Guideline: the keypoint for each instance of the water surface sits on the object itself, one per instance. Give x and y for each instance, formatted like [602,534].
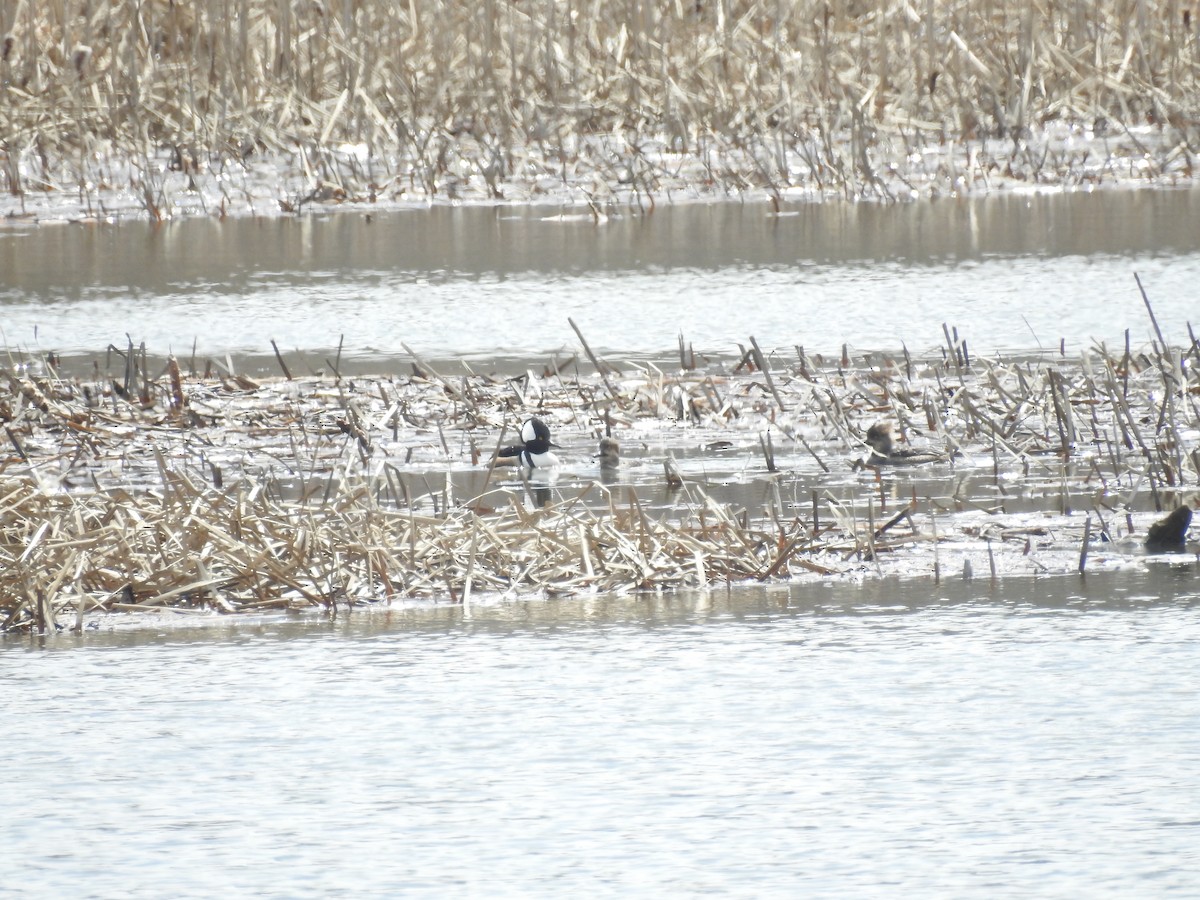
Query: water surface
[889,740]
[1012,272]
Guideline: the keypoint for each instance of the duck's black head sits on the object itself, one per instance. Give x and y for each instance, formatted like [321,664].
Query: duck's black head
[536,436]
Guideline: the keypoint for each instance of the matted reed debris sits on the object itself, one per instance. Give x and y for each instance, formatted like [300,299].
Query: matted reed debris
[136,490]
[210,107]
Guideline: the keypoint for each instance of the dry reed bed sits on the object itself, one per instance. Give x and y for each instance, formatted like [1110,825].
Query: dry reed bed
[142,490]
[594,101]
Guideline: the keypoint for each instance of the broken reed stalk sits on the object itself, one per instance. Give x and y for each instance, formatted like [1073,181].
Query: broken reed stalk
[671,473]
[937,561]
[1162,342]
[601,368]
[467,581]
[898,517]
[1083,546]
[813,453]
[495,457]
[279,358]
[768,451]
[761,361]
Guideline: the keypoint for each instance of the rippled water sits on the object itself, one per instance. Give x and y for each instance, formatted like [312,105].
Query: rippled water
[1011,272]
[879,741]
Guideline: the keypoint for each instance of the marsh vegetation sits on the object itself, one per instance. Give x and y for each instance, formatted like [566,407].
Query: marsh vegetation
[259,105]
[199,488]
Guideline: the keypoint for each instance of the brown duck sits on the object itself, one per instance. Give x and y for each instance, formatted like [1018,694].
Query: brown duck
[1169,535]
[885,453]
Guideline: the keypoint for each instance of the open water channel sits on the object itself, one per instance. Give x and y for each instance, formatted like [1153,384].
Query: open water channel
[1033,737]
[484,284]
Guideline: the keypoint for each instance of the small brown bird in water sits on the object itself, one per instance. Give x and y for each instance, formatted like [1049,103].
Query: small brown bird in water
[610,452]
[1169,535]
[879,438]
[884,452]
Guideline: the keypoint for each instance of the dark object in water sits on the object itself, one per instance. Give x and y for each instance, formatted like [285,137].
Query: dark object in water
[610,453]
[879,438]
[884,453]
[1169,535]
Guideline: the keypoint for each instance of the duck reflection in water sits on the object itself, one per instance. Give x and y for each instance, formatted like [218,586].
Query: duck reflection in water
[538,485]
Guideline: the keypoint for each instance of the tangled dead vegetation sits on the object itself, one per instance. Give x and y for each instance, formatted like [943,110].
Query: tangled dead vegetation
[214,490]
[214,107]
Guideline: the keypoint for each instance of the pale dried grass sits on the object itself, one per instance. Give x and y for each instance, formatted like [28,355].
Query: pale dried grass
[432,94]
[139,492]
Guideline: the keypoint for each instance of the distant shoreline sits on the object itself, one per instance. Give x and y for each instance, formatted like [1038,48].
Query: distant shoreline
[154,188]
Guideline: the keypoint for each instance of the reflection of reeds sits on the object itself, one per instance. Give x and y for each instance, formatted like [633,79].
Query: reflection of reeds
[222,492]
[429,96]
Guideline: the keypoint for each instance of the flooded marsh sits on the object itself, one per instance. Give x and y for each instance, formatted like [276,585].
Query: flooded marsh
[231,493]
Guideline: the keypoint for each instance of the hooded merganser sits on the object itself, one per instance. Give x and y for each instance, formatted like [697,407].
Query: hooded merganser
[884,453]
[535,453]
[1169,535]
[610,453]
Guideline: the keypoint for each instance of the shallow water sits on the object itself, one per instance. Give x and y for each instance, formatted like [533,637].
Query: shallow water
[1012,272]
[891,740]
